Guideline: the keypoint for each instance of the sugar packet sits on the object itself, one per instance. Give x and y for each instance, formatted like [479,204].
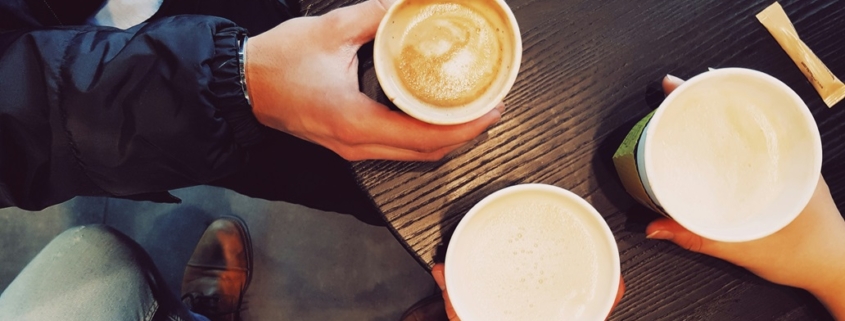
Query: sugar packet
[831,89]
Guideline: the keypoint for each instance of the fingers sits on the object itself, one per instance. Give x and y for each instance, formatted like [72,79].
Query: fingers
[440,279]
[670,83]
[360,21]
[439,276]
[379,125]
[619,294]
[668,229]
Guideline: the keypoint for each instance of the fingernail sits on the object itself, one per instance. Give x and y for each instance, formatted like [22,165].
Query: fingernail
[439,279]
[660,235]
[495,121]
[673,79]
[501,108]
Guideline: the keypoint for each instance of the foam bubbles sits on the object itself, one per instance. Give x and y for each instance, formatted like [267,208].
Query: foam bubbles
[450,55]
[541,266]
[720,153]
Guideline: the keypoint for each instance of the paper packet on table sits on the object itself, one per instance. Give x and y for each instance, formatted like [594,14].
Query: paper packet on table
[828,86]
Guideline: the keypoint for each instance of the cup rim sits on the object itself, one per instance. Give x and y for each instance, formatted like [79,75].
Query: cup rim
[589,210]
[406,106]
[804,193]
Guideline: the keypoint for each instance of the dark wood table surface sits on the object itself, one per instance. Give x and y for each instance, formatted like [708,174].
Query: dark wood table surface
[590,70]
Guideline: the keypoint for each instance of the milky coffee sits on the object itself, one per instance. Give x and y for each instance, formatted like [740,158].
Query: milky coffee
[734,156]
[451,52]
[533,256]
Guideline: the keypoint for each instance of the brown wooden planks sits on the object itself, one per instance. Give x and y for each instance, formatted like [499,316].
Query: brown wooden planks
[590,69]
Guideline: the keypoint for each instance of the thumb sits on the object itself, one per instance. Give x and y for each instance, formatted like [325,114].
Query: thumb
[668,229]
[619,294]
[670,83]
[360,22]
[439,278]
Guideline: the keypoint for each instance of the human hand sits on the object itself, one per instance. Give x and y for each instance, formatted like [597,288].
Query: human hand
[440,279]
[809,253]
[302,79]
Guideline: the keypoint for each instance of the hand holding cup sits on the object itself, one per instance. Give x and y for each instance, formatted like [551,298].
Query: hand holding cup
[808,253]
[302,77]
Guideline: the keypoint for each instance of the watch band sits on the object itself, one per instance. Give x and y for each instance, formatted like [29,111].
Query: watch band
[242,66]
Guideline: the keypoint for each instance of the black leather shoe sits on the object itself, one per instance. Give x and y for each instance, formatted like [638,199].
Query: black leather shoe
[431,308]
[219,271]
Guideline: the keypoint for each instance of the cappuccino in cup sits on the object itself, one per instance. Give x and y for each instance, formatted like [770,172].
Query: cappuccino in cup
[732,155]
[532,252]
[447,62]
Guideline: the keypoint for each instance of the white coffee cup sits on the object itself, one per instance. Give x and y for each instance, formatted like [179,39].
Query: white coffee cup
[460,73]
[532,252]
[732,155]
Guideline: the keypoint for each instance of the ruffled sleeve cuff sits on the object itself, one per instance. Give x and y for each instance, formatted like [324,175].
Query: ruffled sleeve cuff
[232,102]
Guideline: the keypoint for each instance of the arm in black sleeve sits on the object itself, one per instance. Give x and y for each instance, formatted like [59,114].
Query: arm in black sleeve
[101,111]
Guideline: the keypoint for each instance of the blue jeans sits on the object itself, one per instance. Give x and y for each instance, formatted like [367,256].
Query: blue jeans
[92,273]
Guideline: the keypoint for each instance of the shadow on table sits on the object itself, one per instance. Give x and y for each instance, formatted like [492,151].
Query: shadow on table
[604,170]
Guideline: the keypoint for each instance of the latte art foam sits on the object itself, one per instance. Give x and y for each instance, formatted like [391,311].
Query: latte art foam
[450,55]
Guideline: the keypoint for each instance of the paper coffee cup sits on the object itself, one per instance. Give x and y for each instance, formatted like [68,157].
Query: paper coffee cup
[447,62]
[732,155]
[532,252]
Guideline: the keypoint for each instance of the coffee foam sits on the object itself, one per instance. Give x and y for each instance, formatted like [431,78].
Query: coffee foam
[455,100]
[451,54]
[720,149]
[533,257]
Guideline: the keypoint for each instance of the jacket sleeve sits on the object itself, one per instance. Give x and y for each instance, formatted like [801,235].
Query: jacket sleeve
[100,111]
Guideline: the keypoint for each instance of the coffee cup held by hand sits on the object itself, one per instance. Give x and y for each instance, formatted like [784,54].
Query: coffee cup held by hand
[733,155]
[532,252]
[447,62]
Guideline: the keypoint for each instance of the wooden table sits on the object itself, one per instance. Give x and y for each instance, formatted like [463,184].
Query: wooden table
[590,69]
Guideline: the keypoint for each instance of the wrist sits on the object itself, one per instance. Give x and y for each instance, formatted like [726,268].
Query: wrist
[226,90]
[253,77]
[827,281]
[823,249]
[834,302]
[831,293]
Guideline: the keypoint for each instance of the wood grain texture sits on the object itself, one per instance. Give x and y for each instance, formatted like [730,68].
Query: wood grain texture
[590,69]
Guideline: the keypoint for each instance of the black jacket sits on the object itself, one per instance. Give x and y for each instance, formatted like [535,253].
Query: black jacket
[88,110]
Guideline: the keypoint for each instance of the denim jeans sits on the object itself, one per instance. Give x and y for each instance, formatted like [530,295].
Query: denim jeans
[92,273]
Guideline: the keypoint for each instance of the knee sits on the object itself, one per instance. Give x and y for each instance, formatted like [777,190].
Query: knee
[88,233]
[93,239]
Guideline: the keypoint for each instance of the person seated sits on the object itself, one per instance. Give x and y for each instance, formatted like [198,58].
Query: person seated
[219,92]
[97,273]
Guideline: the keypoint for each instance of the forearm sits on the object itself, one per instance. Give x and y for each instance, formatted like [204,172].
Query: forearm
[833,299]
[828,283]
